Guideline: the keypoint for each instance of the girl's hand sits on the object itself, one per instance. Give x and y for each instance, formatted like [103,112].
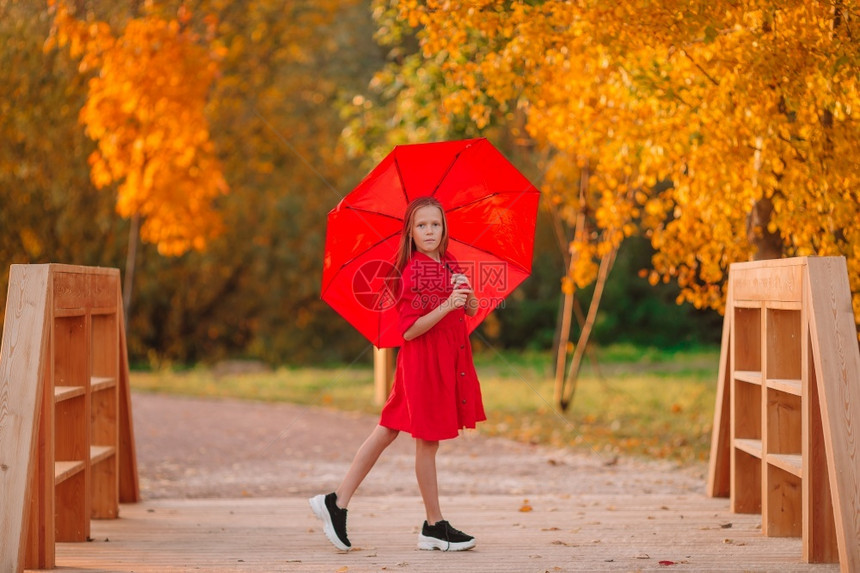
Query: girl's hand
[457,299]
[460,281]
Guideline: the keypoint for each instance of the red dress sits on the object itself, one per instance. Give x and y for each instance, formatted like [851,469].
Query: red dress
[436,390]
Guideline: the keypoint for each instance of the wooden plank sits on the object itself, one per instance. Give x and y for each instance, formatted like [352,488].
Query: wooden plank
[819,524]
[784,342]
[761,280]
[784,304]
[104,483]
[65,470]
[102,289]
[129,486]
[748,376]
[783,516]
[766,484]
[98,383]
[571,532]
[746,339]
[69,289]
[746,480]
[752,447]
[21,386]
[63,393]
[747,404]
[794,387]
[100,453]
[719,461]
[783,424]
[837,368]
[791,463]
[40,529]
[71,503]
[746,303]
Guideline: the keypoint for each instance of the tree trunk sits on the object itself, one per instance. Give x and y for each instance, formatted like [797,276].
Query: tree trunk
[130,261]
[606,264]
[561,358]
[767,245]
[571,305]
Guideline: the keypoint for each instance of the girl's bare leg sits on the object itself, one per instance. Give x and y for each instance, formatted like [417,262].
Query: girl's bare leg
[425,471]
[365,458]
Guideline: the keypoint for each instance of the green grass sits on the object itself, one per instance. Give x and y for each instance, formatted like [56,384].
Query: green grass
[636,401]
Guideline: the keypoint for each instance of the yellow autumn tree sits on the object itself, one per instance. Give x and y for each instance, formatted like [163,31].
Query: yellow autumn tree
[747,112]
[146,111]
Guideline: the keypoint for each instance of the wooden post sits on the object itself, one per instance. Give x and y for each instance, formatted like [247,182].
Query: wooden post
[719,476]
[383,373]
[791,366]
[837,373]
[21,387]
[61,376]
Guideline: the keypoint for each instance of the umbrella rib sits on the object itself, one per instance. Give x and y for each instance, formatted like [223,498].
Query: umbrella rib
[371,247]
[402,182]
[471,246]
[369,212]
[489,195]
[447,171]
[520,195]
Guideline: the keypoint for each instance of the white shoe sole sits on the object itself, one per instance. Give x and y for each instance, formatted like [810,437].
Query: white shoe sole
[431,543]
[321,511]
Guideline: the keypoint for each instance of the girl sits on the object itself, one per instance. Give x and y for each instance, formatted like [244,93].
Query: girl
[436,390]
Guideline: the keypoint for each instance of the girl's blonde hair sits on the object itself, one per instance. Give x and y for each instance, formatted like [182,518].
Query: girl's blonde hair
[407,244]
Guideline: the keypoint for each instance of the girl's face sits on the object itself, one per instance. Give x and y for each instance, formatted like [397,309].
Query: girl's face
[427,229]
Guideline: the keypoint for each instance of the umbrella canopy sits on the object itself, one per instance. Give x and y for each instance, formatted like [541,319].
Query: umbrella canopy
[491,210]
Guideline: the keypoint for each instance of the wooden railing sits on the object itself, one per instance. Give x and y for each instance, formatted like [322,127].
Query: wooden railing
[788,405]
[66,438]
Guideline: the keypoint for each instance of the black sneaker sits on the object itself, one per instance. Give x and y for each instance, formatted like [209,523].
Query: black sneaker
[443,536]
[333,518]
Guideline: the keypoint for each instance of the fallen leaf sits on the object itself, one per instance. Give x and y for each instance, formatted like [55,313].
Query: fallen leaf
[666,563]
[343,569]
[643,556]
[525,506]
[726,525]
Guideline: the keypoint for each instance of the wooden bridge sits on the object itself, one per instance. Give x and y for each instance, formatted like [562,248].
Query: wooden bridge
[532,509]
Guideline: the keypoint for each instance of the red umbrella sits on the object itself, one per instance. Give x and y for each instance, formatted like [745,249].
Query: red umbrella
[490,208]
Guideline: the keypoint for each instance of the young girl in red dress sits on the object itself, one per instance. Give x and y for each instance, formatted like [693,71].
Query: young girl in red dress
[436,391]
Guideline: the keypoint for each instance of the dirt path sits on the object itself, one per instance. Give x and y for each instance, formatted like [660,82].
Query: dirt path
[197,448]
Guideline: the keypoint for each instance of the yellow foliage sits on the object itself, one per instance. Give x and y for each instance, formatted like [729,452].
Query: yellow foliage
[732,103]
[146,110]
